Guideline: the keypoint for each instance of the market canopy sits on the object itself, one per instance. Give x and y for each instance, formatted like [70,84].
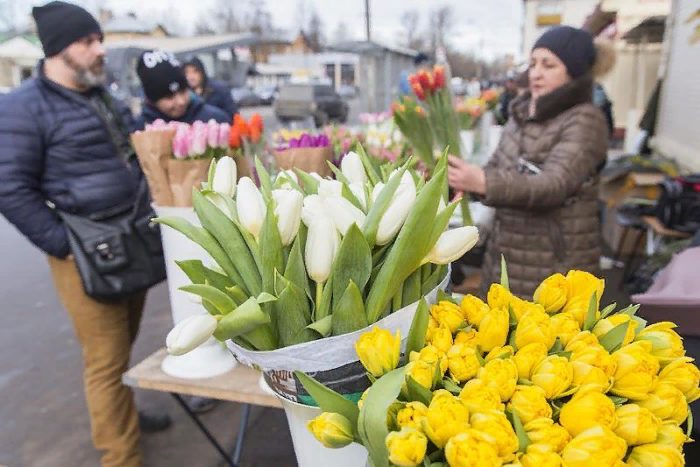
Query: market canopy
[195,44]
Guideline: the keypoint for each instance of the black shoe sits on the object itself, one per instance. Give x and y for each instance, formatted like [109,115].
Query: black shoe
[152,423]
[200,405]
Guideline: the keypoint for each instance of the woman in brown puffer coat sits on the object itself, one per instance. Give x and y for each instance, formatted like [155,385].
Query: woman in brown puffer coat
[543,177]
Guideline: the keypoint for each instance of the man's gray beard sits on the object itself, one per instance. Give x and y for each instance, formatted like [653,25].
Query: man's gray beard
[85,77]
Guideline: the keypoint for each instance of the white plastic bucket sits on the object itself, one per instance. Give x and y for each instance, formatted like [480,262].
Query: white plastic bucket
[212,358]
[468,138]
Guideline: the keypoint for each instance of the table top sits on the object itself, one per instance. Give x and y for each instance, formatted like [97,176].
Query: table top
[238,385]
[655,224]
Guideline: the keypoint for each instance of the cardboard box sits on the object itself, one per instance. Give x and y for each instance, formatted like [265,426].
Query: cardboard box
[644,185]
[613,231]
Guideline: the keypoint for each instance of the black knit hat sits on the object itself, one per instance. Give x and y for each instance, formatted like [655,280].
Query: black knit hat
[160,74]
[573,46]
[59,24]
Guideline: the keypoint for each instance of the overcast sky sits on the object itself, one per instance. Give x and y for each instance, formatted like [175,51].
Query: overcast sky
[494,23]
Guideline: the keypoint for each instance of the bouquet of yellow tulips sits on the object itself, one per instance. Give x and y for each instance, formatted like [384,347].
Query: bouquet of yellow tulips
[557,381]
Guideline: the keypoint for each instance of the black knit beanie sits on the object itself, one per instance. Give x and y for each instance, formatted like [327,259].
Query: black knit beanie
[160,74]
[573,46]
[59,24]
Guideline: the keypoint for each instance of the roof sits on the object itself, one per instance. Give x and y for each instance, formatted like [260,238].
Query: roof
[196,44]
[20,47]
[369,47]
[129,23]
[650,30]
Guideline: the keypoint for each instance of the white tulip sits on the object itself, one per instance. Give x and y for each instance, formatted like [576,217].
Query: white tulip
[330,188]
[353,169]
[288,205]
[452,245]
[322,245]
[316,176]
[312,208]
[251,206]
[343,213]
[358,190]
[190,333]
[225,176]
[285,177]
[220,202]
[376,191]
[396,213]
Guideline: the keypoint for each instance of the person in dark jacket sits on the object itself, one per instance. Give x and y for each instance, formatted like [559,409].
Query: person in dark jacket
[167,96]
[212,91]
[64,145]
[543,178]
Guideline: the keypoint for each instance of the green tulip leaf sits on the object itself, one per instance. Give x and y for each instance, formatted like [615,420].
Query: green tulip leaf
[504,273]
[451,386]
[352,263]
[264,177]
[293,315]
[379,207]
[210,173]
[322,326]
[523,439]
[417,392]
[219,299]
[295,270]
[630,310]
[272,254]
[350,196]
[339,175]
[442,220]
[590,319]
[265,298]
[411,290]
[367,163]
[612,340]
[349,314]
[237,294]
[434,279]
[309,183]
[242,320]
[689,424]
[329,400]
[608,310]
[419,326]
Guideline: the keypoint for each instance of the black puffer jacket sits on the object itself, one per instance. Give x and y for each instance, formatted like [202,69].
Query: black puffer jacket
[196,111]
[215,93]
[55,147]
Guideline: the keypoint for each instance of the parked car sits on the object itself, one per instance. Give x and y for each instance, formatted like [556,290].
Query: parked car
[318,101]
[348,91]
[245,97]
[267,94]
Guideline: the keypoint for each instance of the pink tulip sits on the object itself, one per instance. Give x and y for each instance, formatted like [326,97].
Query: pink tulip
[212,133]
[198,134]
[157,125]
[224,133]
[181,147]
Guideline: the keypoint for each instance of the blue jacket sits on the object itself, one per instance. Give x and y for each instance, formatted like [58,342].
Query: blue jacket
[55,147]
[217,94]
[197,110]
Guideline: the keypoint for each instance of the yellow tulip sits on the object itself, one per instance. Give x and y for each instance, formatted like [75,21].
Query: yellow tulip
[472,448]
[432,327]
[501,375]
[446,417]
[552,293]
[667,403]
[412,415]
[463,362]
[554,374]
[534,326]
[474,309]
[586,375]
[448,314]
[603,326]
[636,425]
[540,455]
[470,337]
[595,355]
[432,355]
[331,429]
[597,446]
[655,455]
[684,375]
[521,307]
[406,447]
[587,409]
[582,285]
[422,372]
[528,357]
[499,297]
[530,403]
[478,396]
[565,326]
[666,344]
[582,339]
[493,330]
[441,338]
[671,434]
[379,351]
[545,431]
[636,371]
[496,424]
[500,352]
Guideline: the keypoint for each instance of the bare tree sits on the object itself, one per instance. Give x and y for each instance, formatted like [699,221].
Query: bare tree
[441,23]
[259,19]
[302,14]
[411,35]
[314,31]
[341,33]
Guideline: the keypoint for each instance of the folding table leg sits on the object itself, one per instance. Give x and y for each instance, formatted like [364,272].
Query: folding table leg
[206,432]
[240,439]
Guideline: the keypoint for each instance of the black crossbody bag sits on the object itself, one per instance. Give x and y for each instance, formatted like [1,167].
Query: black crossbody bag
[118,252]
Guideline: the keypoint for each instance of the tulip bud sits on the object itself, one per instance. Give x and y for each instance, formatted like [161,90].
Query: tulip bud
[359,192]
[199,138]
[603,326]
[452,245]
[528,357]
[312,208]
[407,447]
[285,177]
[595,446]
[474,309]
[545,431]
[667,403]
[671,434]
[343,213]
[636,371]
[224,135]
[501,375]
[432,355]
[212,133]
[587,409]
[412,415]
[534,326]
[565,326]
[448,314]
[554,374]
[396,213]
[251,206]
[288,205]
[322,245]
[225,176]
[684,375]
[636,425]
[655,455]
[190,333]
[353,169]
[463,362]
[379,351]
[470,446]
[440,337]
[666,344]
[540,455]
[331,429]
[495,424]
[422,372]
[446,417]
[477,395]
[552,293]
[181,142]
[530,404]
[330,188]
[493,330]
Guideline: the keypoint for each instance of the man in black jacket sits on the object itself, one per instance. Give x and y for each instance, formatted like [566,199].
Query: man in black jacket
[212,91]
[167,95]
[64,144]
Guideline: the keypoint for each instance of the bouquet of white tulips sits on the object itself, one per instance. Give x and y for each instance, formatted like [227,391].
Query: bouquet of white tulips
[302,258]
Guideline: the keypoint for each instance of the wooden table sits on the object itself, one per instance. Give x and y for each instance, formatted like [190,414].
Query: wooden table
[656,230]
[240,385]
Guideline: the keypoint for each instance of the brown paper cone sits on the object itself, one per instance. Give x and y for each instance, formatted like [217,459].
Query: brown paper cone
[306,159]
[185,175]
[154,150]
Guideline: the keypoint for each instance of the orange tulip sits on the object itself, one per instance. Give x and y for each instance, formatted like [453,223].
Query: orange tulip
[438,77]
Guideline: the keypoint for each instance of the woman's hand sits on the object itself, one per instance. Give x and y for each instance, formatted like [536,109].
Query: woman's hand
[465,177]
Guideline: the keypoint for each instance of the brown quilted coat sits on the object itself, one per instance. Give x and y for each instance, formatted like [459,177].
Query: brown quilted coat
[546,222]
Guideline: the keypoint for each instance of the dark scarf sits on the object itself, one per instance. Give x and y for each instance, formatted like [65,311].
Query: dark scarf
[575,92]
